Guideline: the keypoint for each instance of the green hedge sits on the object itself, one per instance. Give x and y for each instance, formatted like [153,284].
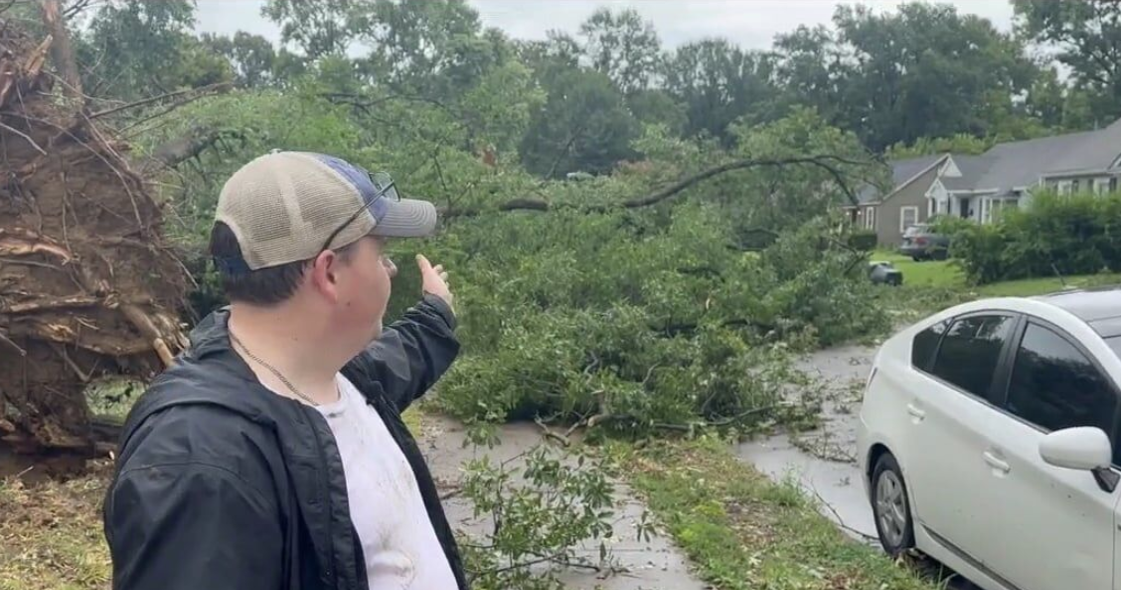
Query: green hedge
[1067,235]
[865,240]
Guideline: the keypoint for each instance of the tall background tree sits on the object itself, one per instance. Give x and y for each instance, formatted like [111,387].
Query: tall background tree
[1085,36]
[718,82]
[926,71]
[624,47]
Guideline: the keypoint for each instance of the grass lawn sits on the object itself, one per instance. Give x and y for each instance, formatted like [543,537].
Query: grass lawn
[937,284]
[51,533]
[743,531]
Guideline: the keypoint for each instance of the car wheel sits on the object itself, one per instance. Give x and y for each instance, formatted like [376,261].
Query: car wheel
[890,502]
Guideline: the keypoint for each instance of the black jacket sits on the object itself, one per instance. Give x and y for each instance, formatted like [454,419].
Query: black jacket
[222,484]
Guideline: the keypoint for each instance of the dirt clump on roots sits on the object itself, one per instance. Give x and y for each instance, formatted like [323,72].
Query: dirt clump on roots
[88,288]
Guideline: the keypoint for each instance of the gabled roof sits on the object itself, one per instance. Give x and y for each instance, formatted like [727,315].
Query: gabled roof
[972,169]
[1016,164]
[1011,165]
[901,171]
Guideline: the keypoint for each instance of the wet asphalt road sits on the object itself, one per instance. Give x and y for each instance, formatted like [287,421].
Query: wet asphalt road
[823,461]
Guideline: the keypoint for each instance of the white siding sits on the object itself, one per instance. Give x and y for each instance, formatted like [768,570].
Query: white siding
[937,196]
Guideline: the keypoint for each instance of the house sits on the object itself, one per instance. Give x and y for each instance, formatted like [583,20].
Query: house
[978,187]
[906,203]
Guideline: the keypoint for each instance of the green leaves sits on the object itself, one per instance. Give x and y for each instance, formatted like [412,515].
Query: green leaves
[1071,235]
[133,49]
[540,511]
[584,126]
[624,46]
[657,325]
[1087,33]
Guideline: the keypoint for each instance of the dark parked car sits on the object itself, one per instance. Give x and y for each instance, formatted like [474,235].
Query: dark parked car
[920,243]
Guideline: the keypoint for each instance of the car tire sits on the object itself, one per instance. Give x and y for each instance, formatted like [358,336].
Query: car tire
[889,501]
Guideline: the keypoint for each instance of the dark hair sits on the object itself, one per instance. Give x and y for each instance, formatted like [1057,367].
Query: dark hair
[265,286]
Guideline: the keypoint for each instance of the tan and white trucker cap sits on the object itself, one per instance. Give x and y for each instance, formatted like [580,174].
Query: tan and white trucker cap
[284,206]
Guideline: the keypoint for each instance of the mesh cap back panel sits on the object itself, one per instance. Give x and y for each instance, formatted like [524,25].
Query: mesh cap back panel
[283,206]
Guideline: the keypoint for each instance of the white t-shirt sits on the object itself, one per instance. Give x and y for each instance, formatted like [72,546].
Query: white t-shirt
[400,547]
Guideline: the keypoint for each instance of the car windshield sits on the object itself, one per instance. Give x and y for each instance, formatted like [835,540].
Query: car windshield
[915,229]
[1114,344]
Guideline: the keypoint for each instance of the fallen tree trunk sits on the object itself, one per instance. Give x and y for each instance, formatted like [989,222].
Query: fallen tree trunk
[87,286]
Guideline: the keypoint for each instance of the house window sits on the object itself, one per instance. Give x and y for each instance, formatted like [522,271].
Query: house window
[994,206]
[1064,187]
[868,219]
[1101,186]
[908,218]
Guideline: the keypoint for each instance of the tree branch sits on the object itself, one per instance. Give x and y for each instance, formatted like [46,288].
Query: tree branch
[5,340]
[182,149]
[822,161]
[73,10]
[202,90]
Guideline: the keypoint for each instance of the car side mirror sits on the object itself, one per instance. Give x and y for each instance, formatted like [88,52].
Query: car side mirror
[1084,448]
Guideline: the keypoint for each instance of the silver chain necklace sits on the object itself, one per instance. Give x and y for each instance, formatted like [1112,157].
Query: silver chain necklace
[271,369]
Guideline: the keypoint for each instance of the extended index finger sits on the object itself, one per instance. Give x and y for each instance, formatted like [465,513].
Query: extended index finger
[423,264]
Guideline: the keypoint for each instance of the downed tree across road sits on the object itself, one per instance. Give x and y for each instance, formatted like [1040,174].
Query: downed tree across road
[87,286]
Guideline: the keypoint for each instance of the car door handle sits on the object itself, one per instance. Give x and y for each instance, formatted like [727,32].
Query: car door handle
[915,411]
[996,462]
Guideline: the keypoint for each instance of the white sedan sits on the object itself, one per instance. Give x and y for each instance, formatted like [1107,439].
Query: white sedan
[990,440]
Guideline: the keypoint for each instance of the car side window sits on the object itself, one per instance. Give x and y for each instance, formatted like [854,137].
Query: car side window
[969,352]
[925,344]
[1055,386]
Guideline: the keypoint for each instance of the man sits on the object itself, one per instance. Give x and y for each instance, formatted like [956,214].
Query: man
[272,455]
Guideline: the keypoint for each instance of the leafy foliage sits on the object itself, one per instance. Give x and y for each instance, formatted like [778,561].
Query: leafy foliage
[539,514]
[961,143]
[1055,235]
[624,47]
[719,83]
[585,126]
[638,324]
[1087,35]
[924,71]
[137,47]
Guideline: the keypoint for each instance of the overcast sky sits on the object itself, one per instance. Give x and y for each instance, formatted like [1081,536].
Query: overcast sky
[751,24]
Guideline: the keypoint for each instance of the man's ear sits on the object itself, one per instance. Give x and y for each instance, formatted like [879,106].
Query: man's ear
[322,274]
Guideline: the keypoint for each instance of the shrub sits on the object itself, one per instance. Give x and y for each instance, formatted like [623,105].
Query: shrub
[1078,234]
[865,240]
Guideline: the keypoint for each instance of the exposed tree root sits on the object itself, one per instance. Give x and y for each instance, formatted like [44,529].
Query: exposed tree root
[87,285]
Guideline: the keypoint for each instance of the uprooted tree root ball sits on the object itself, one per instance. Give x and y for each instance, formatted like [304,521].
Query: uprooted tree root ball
[87,287]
